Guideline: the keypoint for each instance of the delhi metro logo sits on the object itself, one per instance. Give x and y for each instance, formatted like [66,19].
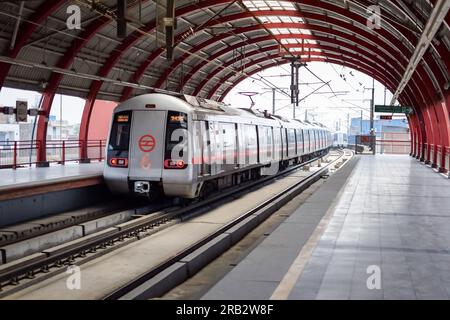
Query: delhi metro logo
[147,143]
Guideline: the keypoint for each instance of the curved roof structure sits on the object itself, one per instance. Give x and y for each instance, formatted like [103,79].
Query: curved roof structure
[218,43]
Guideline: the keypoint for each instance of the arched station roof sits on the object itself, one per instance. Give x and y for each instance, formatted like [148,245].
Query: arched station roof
[218,43]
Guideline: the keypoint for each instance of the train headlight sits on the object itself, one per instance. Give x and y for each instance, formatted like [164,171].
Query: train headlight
[174,164]
[119,162]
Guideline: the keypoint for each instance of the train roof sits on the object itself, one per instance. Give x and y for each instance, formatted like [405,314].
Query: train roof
[191,104]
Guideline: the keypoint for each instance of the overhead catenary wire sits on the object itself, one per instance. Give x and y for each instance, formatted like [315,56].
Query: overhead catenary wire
[315,75]
[340,75]
[214,18]
[308,95]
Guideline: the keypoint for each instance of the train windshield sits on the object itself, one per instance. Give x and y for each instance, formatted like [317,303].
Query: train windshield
[120,132]
[176,140]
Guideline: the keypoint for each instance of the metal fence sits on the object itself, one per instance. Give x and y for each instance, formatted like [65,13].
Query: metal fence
[22,153]
[394,143]
[386,143]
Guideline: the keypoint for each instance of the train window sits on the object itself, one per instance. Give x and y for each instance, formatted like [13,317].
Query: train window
[120,132]
[176,136]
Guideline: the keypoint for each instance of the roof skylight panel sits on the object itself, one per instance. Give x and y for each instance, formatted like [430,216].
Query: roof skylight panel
[274,19]
[269,5]
[275,30]
[295,30]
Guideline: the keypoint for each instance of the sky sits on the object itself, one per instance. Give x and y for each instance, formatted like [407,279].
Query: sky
[348,84]
[72,107]
[326,108]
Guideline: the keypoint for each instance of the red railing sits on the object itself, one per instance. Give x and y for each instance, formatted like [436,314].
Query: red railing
[22,153]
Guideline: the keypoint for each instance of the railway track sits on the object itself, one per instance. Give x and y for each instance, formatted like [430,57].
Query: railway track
[38,267]
[37,227]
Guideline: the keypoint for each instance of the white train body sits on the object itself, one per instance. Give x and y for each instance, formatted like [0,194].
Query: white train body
[182,147]
[340,139]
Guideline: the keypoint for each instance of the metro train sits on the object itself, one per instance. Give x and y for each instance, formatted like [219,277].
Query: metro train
[340,139]
[190,147]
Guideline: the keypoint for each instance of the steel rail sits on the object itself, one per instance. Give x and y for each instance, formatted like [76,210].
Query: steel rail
[67,255]
[271,205]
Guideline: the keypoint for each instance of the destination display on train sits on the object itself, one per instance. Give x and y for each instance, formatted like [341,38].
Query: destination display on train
[177,118]
[123,118]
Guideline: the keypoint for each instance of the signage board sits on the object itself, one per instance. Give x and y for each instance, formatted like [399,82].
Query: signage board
[393,109]
[21,111]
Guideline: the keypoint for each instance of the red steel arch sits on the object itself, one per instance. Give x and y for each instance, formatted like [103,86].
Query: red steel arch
[30,26]
[387,49]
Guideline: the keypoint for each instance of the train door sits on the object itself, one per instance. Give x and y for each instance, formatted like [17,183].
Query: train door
[291,142]
[240,145]
[284,144]
[278,149]
[322,140]
[269,152]
[251,144]
[216,149]
[229,145]
[313,140]
[308,141]
[300,144]
[147,145]
[263,144]
[319,140]
[206,148]
[197,152]
[319,133]
[312,137]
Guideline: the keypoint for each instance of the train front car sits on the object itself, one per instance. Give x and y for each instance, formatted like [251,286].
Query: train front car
[161,144]
[148,144]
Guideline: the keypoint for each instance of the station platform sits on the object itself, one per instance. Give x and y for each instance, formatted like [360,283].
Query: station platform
[22,180]
[377,229]
[30,193]
[71,171]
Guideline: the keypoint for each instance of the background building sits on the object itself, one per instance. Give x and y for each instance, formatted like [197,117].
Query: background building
[393,136]
[363,128]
